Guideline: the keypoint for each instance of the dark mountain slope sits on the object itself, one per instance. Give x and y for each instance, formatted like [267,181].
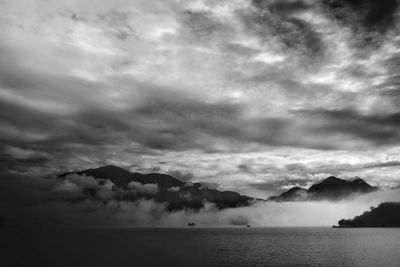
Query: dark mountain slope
[332,188]
[295,193]
[175,193]
[336,188]
[387,214]
[121,177]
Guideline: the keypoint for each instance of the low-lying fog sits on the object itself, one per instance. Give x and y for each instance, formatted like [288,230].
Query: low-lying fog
[54,202]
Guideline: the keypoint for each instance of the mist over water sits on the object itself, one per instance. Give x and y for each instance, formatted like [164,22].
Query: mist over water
[324,213]
[51,201]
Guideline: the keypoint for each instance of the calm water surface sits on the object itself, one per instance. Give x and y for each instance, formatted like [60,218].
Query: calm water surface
[203,247]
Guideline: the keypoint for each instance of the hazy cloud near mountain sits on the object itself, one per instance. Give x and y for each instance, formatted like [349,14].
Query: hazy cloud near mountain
[203,87]
[39,201]
[150,189]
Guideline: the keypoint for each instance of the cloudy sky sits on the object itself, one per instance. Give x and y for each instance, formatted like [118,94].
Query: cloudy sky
[255,96]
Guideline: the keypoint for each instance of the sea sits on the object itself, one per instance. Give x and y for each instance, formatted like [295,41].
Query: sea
[197,246]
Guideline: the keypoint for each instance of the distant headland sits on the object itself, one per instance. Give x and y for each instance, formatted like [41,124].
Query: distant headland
[387,214]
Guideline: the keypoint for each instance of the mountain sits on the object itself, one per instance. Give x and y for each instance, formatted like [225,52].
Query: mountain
[122,178]
[177,194]
[332,188]
[387,214]
[295,193]
[336,188]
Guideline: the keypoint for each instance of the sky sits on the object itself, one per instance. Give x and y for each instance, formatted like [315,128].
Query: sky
[252,96]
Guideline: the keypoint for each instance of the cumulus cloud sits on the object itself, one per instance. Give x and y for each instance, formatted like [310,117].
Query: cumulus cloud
[25,154]
[67,186]
[86,185]
[148,189]
[174,189]
[82,181]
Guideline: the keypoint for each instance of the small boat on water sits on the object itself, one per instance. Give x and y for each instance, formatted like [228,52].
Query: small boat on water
[191,224]
[248,225]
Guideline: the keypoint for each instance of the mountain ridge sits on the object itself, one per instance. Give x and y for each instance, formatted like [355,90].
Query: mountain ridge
[331,188]
[121,177]
[177,194]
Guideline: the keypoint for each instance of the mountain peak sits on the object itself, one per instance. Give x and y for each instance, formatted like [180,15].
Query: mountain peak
[332,179]
[294,193]
[332,188]
[110,167]
[358,180]
[296,188]
[117,175]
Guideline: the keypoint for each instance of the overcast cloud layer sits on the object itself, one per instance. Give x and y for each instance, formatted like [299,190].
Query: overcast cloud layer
[255,95]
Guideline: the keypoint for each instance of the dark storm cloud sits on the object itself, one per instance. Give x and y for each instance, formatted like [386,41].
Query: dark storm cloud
[52,132]
[253,168]
[275,18]
[299,33]
[369,19]
[178,121]
[161,121]
[389,88]
[204,25]
[378,129]
[240,50]
[16,158]
[287,7]
[394,163]
[372,14]
[171,122]
[295,167]
[338,169]
[118,22]
[284,6]
[164,120]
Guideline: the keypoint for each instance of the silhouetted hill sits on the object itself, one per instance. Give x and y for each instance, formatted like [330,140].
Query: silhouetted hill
[336,188]
[387,214]
[295,193]
[176,193]
[122,178]
[332,188]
